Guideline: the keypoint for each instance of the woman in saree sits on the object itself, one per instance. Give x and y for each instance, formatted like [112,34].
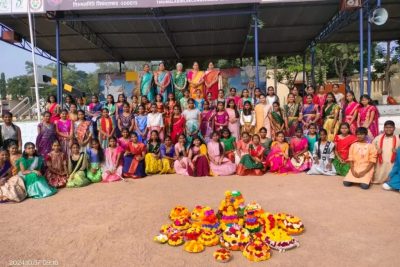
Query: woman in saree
[350,111]
[211,80]
[77,165]
[146,83]
[262,111]
[312,137]
[207,120]
[94,112]
[330,115]
[301,158]
[195,79]
[219,164]
[111,168]
[82,131]
[247,119]
[46,135]
[198,160]
[56,163]
[277,119]
[368,116]
[12,188]
[146,104]
[106,128]
[221,118]
[134,106]
[68,102]
[14,157]
[323,155]
[180,81]
[162,79]
[221,98]
[9,132]
[343,140]
[242,147]
[169,110]
[167,155]
[213,103]
[30,167]
[155,121]
[278,157]
[254,162]
[309,113]
[321,99]
[229,142]
[234,119]
[256,95]
[65,132]
[193,121]
[293,114]
[95,157]
[123,141]
[134,166]
[152,159]
[53,108]
[119,106]
[182,162]
[141,125]
[178,124]
[297,98]
[265,141]
[73,112]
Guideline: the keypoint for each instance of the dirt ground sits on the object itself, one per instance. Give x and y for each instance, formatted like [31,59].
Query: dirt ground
[114,224]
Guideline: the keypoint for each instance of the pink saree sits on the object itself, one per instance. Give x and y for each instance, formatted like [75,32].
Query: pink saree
[349,112]
[365,114]
[297,145]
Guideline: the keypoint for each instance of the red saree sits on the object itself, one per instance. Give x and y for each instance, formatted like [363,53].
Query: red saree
[211,80]
[178,127]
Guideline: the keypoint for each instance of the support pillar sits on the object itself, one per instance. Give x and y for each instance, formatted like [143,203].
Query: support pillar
[256,50]
[369,58]
[59,67]
[361,38]
[313,65]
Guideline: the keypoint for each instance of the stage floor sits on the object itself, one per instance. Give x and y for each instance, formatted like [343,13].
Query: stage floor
[114,224]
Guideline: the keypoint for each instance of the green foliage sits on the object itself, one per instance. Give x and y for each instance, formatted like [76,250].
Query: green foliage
[3,85]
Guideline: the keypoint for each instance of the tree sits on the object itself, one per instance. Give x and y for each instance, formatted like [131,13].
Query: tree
[19,86]
[3,85]
[388,54]
[290,69]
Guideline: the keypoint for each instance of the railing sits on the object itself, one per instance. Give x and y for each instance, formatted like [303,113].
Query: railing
[21,108]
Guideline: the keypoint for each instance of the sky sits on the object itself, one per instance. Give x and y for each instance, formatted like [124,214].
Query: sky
[12,61]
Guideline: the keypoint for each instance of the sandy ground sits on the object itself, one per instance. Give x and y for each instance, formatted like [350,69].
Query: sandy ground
[114,224]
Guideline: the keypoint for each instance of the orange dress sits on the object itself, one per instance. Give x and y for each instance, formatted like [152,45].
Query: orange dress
[361,154]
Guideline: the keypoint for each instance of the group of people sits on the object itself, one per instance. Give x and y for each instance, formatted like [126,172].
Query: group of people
[223,134]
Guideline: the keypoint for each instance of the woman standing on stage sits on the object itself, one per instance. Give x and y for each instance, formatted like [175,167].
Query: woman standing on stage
[195,79]
[162,79]
[180,81]
[146,83]
[368,116]
[350,111]
[211,80]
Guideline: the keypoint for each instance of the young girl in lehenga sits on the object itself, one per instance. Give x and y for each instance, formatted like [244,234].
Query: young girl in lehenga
[111,168]
[206,124]
[229,142]
[30,167]
[234,117]
[134,166]
[198,161]
[178,124]
[323,155]
[152,159]
[65,132]
[368,116]
[343,140]
[242,147]
[182,162]
[77,165]
[167,155]
[123,140]
[221,117]
[253,163]
[278,157]
[141,125]
[331,116]
[219,164]
[301,158]
[106,128]
[350,111]
[96,158]
[57,170]
[83,131]
[14,156]
[46,135]
[126,119]
[11,188]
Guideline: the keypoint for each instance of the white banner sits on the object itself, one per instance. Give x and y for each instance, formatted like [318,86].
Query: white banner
[21,6]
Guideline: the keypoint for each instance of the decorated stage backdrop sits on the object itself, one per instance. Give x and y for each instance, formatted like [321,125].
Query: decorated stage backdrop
[127,82]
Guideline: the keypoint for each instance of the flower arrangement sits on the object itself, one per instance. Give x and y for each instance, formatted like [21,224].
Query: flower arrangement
[236,227]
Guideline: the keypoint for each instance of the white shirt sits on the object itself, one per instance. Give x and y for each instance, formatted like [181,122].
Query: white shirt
[155,120]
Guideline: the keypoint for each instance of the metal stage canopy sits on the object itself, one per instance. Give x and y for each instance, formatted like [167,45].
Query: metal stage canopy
[196,32]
